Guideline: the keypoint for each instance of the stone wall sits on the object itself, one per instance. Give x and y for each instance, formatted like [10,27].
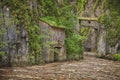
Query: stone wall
[53,42]
[99,32]
[15,38]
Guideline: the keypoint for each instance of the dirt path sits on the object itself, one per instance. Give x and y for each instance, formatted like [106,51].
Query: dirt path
[90,68]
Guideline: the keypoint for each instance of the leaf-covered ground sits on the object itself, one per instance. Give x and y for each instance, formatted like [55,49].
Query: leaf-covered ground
[90,68]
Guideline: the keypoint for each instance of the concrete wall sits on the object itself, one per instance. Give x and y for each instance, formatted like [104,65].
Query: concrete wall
[16,40]
[91,12]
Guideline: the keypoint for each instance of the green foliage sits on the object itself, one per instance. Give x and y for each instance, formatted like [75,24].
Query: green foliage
[111,21]
[79,6]
[62,14]
[74,46]
[32,59]
[105,19]
[85,31]
[21,14]
[96,4]
[2,53]
[52,21]
[59,14]
[2,30]
[35,43]
[2,42]
[117,57]
[113,35]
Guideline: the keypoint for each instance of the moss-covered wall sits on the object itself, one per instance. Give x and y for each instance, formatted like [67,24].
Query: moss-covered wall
[54,39]
[15,38]
[106,14]
[90,17]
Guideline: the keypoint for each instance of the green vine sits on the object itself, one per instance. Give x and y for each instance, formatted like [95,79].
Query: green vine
[96,4]
[111,21]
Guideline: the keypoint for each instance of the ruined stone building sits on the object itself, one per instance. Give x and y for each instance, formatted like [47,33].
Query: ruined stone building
[54,42]
[89,18]
[17,46]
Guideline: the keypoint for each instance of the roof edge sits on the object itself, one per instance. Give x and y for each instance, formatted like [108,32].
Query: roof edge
[56,26]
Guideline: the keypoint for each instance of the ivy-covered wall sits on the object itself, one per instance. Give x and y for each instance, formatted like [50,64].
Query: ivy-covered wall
[24,17]
[15,39]
[21,17]
[106,14]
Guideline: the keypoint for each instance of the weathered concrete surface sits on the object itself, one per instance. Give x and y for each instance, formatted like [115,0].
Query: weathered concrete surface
[102,43]
[54,39]
[90,68]
[15,38]
[98,39]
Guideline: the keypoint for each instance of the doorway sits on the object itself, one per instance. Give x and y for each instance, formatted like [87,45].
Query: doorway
[56,53]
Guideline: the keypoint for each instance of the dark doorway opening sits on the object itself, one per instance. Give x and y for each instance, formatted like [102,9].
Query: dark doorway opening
[56,53]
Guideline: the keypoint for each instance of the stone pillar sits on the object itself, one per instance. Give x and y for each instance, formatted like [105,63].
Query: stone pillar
[9,36]
[101,46]
[16,47]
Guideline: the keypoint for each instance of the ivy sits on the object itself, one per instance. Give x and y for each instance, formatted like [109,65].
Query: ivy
[96,4]
[35,43]
[111,21]
[2,42]
[74,46]
[65,15]
[105,19]
[21,14]
[62,14]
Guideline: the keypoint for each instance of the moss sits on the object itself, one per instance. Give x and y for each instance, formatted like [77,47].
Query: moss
[2,53]
[117,57]
[52,22]
[74,46]
[96,4]
[88,19]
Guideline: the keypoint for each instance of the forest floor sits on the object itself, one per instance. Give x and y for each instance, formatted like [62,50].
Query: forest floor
[91,68]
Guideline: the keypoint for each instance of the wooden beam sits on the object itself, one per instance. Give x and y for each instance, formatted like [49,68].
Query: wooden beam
[87,19]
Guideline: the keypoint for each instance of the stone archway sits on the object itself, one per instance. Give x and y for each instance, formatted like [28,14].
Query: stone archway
[98,37]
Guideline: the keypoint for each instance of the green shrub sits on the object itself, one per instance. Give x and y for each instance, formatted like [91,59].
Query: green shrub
[2,53]
[32,59]
[117,57]
[74,47]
